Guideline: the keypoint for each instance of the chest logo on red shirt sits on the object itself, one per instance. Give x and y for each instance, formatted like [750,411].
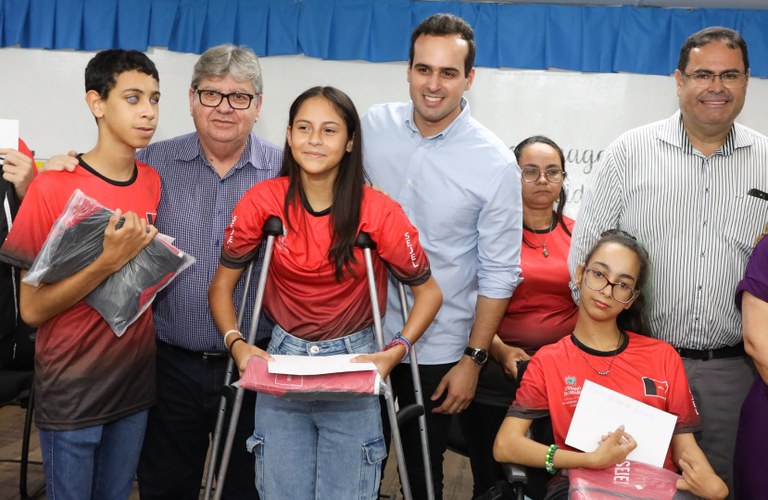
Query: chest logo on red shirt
[656,388]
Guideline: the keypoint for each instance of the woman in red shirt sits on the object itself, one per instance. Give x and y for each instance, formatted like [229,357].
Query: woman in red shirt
[540,312]
[605,349]
[317,294]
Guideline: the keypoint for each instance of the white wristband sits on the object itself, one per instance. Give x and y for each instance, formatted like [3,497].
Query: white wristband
[229,332]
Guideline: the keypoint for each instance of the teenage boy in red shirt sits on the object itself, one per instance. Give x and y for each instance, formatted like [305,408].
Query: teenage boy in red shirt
[93,389]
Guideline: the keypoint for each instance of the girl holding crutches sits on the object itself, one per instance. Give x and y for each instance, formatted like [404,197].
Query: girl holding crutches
[317,294]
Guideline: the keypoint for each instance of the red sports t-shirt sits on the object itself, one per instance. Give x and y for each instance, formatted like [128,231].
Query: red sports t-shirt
[302,294]
[541,311]
[646,369]
[84,374]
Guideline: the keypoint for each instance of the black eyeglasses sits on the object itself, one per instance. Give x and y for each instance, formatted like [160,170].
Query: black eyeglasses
[533,174]
[236,100]
[597,281]
[730,79]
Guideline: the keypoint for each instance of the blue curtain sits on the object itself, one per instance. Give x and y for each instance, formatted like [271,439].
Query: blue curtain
[595,39]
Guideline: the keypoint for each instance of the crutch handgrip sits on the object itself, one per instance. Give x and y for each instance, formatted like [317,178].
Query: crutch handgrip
[407,413]
[228,391]
[364,241]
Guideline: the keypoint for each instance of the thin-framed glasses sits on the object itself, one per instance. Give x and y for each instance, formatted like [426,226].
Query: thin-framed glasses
[553,175]
[236,100]
[729,79]
[597,281]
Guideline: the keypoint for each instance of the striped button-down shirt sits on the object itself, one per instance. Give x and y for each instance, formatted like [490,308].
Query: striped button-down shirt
[195,208]
[693,215]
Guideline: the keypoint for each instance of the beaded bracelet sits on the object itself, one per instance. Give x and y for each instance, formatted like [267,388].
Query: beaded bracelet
[399,339]
[550,455]
[230,332]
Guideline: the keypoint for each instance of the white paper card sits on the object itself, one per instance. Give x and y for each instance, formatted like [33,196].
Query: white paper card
[9,134]
[601,410]
[316,365]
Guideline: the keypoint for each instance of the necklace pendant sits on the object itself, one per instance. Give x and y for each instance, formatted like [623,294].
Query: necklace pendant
[603,373]
[544,251]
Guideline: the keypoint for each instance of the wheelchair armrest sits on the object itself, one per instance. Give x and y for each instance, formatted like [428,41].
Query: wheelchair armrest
[516,474]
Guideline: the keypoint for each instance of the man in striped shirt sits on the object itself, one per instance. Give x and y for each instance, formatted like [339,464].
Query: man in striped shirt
[685,188]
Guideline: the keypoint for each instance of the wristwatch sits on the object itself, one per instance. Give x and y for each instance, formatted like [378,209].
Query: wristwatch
[479,356]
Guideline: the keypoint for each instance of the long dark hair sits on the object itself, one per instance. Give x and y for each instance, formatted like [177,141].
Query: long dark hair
[562,199]
[348,186]
[632,319]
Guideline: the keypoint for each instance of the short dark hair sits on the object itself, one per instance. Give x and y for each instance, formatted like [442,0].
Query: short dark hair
[445,25]
[632,319]
[103,69]
[348,186]
[731,38]
[563,198]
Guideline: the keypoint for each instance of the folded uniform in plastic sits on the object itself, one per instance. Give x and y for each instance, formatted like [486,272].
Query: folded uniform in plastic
[625,480]
[326,386]
[76,240]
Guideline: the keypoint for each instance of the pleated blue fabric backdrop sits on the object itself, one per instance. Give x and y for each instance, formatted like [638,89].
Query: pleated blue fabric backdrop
[579,38]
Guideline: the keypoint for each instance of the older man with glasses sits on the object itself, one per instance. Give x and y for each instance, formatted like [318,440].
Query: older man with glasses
[204,174]
[685,187]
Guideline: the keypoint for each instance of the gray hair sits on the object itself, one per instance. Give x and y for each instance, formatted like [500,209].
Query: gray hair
[239,62]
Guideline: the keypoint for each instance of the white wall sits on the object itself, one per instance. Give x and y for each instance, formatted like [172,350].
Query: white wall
[583,112]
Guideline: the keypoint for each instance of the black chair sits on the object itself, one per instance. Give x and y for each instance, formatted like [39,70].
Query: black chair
[16,388]
[521,481]
[517,477]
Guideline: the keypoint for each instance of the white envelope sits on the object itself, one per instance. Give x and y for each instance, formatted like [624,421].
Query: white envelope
[601,410]
[9,134]
[317,365]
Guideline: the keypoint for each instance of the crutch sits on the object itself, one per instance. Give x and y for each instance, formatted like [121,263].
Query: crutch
[272,227]
[419,396]
[367,244]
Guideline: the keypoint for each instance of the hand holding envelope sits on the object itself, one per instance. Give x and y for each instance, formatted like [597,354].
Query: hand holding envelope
[600,410]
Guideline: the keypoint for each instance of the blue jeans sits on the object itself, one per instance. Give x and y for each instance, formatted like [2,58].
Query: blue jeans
[318,449]
[96,462]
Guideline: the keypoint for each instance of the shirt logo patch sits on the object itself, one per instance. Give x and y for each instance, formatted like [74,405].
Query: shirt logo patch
[570,380]
[656,388]
[281,242]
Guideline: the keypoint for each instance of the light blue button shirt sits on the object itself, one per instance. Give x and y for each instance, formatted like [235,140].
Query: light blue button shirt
[461,189]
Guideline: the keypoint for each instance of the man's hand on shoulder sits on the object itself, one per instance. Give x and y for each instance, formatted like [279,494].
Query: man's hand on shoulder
[18,169]
[66,162]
